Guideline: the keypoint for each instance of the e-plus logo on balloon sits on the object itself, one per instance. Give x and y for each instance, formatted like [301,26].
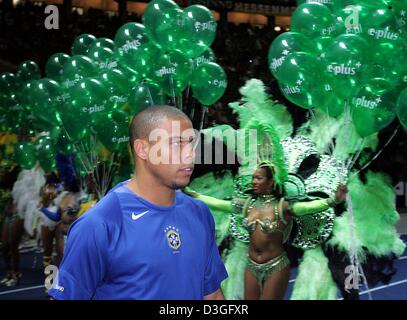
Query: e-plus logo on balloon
[63,97]
[202,26]
[383,34]
[291,90]
[164,71]
[327,31]
[120,139]
[201,60]
[276,63]
[366,103]
[118,99]
[93,109]
[107,65]
[70,83]
[219,83]
[134,44]
[342,69]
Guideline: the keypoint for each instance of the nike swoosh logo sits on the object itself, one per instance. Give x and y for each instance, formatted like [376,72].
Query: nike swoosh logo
[137,216]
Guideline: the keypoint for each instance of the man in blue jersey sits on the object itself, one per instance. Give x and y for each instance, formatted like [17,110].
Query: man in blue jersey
[145,239]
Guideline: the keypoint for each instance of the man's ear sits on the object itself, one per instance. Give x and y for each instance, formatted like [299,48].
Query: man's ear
[141,148]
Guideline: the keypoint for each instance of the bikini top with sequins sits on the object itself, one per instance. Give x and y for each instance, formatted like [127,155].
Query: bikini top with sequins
[268,226]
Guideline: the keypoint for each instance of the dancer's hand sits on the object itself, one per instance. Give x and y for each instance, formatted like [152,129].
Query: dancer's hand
[340,194]
[190,192]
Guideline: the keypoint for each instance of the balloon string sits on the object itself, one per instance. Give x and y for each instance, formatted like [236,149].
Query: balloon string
[150,97]
[172,87]
[87,158]
[380,151]
[187,94]
[192,115]
[355,157]
[179,99]
[75,149]
[203,113]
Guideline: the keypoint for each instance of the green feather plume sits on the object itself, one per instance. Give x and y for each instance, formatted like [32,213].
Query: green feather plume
[314,280]
[235,263]
[221,188]
[375,216]
[257,104]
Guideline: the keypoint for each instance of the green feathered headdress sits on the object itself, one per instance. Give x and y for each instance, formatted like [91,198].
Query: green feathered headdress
[269,150]
[271,122]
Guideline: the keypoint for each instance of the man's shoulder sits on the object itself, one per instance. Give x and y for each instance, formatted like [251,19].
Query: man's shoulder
[105,211]
[190,201]
[196,205]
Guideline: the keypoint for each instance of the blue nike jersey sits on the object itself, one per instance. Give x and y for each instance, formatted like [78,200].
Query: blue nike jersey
[128,248]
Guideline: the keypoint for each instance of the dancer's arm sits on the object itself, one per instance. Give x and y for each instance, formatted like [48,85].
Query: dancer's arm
[212,202]
[304,208]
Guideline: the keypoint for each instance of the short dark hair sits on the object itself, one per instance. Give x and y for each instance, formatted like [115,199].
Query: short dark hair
[148,119]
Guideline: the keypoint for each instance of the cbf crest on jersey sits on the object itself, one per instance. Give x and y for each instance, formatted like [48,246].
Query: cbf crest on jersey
[173,237]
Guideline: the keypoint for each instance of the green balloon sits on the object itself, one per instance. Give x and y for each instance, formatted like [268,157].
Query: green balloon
[103,57]
[76,127]
[45,153]
[390,56]
[63,144]
[159,18]
[325,99]
[103,42]
[321,43]
[145,95]
[401,108]
[399,9]
[283,45]
[384,79]
[172,72]
[298,75]
[88,98]
[77,68]
[313,20]
[8,83]
[297,64]
[208,82]
[14,113]
[24,155]
[82,43]
[203,31]
[118,85]
[46,102]
[345,59]
[134,49]
[28,70]
[114,135]
[205,57]
[371,111]
[119,116]
[3,121]
[175,31]
[116,81]
[24,95]
[54,66]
